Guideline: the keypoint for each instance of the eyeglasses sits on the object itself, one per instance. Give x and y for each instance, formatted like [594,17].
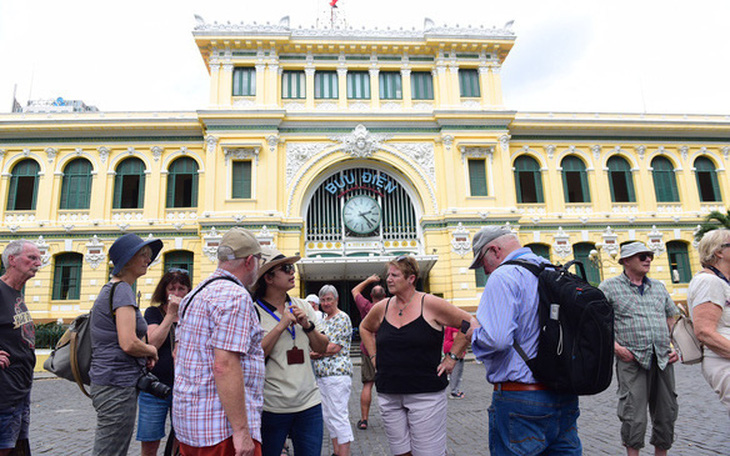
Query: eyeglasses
[644,256]
[179,271]
[724,245]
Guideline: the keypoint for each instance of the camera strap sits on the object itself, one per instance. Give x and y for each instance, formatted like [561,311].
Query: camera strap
[190,301]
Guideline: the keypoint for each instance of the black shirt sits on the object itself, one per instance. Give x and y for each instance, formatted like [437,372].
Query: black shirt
[164,369]
[17,337]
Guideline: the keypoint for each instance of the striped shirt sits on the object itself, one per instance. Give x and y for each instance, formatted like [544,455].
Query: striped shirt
[508,312]
[221,316]
[640,321]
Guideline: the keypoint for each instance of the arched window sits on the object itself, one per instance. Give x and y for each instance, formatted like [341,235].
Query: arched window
[679,267]
[129,184]
[180,259]
[182,183]
[707,180]
[76,186]
[620,180]
[23,186]
[575,180]
[665,182]
[528,180]
[542,250]
[581,251]
[67,276]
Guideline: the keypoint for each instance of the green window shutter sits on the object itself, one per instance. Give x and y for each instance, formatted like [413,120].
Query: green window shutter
[23,188]
[140,197]
[421,85]
[12,191]
[67,276]
[528,180]
[129,184]
[325,85]
[118,183]
[575,180]
[358,85]
[76,185]
[244,82]
[241,179]
[480,278]
[293,85]
[477,177]
[665,181]
[390,85]
[180,259]
[706,177]
[182,183]
[581,251]
[469,83]
[620,180]
[540,250]
[679,266]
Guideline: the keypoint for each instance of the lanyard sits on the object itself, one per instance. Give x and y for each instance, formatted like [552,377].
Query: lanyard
[719,274]
[291,330]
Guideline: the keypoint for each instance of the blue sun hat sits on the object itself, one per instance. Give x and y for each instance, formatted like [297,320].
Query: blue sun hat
[127,246]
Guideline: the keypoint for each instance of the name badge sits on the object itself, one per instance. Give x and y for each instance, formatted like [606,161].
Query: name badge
[295,356]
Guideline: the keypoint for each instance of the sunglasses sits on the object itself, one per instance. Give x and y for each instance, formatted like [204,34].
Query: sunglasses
[644,256]
[179,271]
[286,268]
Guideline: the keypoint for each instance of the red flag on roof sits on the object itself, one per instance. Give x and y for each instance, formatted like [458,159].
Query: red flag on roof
[333,3]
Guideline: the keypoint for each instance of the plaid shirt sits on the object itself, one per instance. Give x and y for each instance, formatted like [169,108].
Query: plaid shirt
[221,316]
[641,319]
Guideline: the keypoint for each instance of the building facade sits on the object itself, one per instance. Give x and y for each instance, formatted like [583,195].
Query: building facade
[349,147]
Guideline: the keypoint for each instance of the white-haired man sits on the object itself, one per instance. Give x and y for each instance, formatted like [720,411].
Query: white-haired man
[22,260]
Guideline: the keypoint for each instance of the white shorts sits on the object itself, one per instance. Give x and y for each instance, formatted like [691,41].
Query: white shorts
[415,422]
[335,392]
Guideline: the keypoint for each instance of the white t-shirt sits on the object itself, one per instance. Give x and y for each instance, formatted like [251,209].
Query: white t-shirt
[707,287]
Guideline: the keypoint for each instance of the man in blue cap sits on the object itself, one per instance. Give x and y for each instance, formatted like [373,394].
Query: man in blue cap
[643,317]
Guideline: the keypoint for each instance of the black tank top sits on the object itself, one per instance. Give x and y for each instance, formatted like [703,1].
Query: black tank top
[407,357]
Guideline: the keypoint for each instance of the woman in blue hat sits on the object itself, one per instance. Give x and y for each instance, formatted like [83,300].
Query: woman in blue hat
[119,354]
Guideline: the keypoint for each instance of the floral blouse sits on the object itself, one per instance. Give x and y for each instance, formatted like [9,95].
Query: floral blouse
[339,331]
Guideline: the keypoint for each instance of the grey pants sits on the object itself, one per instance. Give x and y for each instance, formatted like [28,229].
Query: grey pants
[116,409]
[455,377]
[637,388]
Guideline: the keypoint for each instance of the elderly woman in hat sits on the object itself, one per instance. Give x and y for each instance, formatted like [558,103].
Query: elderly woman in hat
[708,298]
[404,335]
[119,353]
[292,404]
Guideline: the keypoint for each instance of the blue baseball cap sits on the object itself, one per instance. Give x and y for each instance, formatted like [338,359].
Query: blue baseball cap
[125,247]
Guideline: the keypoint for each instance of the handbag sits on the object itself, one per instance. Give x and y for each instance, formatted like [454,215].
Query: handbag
[71,359]
[685,341]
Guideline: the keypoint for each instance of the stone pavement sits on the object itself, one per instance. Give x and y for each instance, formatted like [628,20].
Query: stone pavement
[62,421]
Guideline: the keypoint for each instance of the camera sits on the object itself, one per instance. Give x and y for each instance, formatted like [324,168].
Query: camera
[149,383]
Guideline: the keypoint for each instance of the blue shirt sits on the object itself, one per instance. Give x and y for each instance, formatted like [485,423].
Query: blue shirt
[508,312]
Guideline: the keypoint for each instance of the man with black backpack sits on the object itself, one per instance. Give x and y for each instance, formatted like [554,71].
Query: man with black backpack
[526,416]
[644,315]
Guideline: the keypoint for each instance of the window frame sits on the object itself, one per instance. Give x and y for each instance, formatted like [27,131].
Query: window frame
[664,177]
[469,86]
[234,193]
[244,87]
[477,174]
[358,85]
[706,180]
[76,185]
[678,255]
[422,85]
[121,174]
[18,180]
[293,85]
[182,259]
[621,177]
[68,264]
[172,183]
[390,85]
[569,180]
[329,80]
[520,170]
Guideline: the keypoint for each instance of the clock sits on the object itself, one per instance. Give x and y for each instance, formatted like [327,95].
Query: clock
[361,214]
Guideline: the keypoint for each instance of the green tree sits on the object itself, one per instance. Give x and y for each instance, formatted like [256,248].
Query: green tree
[713,221]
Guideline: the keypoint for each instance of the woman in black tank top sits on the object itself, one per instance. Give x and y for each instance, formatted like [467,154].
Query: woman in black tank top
[404,335]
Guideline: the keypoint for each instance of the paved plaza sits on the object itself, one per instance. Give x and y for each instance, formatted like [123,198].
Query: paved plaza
[63,420]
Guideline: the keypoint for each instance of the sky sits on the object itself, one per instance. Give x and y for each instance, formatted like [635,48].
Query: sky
[640,56]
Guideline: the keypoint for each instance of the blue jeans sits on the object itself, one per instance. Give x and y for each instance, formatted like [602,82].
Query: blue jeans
[528,423]
[304,428]
[14,423]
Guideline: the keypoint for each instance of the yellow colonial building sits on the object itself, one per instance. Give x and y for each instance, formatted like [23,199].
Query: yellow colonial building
[349,147]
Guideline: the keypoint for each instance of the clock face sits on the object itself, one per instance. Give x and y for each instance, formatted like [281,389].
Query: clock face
[362,214]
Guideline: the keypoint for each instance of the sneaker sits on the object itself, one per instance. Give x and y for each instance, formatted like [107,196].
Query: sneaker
[459,395]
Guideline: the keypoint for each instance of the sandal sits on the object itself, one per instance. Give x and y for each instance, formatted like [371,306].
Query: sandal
[459,395]
[362,424]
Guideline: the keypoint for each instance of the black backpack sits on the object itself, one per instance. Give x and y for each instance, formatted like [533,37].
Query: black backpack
[575,343]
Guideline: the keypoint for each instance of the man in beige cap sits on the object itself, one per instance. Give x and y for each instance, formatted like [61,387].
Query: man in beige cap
[219,368]
[644,315]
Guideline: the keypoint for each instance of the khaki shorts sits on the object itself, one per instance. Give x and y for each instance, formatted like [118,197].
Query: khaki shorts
[367,368]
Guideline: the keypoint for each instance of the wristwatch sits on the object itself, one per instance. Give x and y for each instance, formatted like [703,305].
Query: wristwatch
[453,356]
[310,329]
